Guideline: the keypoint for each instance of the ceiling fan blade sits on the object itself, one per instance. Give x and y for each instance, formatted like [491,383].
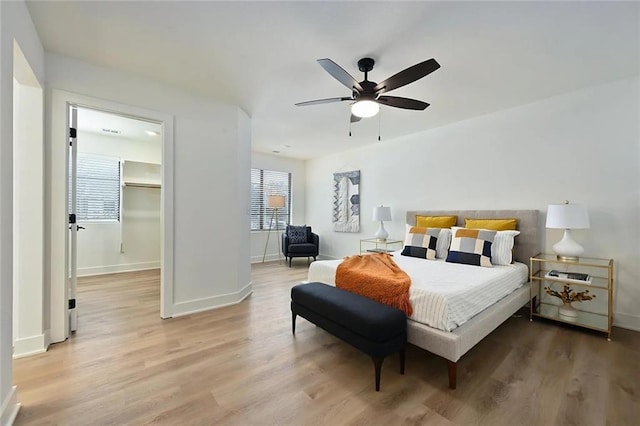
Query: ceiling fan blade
[340,74]
[407,76]
[323,101]
[405,103]
[355,118]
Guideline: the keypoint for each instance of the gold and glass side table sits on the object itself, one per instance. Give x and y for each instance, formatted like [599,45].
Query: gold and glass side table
[375,245]
[578,293]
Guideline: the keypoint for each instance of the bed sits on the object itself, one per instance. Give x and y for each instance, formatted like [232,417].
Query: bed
[450,340]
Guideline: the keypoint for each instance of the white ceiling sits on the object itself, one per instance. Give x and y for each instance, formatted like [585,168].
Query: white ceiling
[262,56]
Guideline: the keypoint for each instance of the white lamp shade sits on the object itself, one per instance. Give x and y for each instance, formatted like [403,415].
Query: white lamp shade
[567,216]
[276,201]
[364,109]
[382,213]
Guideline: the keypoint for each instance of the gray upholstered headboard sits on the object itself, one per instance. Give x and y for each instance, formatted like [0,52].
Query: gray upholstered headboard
[527,244]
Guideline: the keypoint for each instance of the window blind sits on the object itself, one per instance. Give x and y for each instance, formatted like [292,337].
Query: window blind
[263,184]
[98,188]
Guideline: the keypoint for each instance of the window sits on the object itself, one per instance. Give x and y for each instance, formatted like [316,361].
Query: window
[263,184]
[98,188]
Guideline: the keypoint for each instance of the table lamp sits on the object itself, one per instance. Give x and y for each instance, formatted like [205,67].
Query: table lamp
[381,214]
[567,216]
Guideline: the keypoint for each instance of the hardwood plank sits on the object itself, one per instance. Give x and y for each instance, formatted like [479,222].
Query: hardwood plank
[242,365]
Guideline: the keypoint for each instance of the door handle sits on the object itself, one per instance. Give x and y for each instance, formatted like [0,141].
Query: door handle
[81,227]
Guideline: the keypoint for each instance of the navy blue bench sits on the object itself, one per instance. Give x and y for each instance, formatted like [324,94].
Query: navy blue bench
[372,327]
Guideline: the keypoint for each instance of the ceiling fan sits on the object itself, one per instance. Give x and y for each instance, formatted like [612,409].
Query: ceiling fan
[366,94]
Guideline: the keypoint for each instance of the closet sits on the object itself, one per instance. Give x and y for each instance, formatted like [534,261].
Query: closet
[140,206]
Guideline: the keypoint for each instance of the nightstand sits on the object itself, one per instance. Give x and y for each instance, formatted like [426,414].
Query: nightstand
[374,245]
[590,279]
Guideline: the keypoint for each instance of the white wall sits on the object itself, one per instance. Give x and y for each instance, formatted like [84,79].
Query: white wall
[582,146]
[209,165]
[28,226]
[139,227]
[243,195]
[297,169]
[118,146]
[15,24]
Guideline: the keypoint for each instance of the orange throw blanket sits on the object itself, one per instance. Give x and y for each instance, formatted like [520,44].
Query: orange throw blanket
[377,277]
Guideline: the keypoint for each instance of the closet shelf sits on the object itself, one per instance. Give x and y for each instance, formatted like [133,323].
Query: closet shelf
[141,175]
[142,184]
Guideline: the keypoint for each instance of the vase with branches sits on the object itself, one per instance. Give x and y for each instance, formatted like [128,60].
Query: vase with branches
[568,296]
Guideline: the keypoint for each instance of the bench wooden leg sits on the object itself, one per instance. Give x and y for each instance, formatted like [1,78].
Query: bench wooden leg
[293,322]
[377,362]
[452,367]
[402,361]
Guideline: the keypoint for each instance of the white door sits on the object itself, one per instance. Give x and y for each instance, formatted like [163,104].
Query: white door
[73,226]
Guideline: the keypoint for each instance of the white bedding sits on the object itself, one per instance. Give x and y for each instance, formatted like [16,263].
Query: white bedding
[444,295]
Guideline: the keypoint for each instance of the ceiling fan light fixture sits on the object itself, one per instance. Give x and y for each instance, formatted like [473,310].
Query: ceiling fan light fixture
[365,109]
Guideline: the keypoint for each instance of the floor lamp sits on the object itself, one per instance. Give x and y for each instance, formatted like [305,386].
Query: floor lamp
[274,202]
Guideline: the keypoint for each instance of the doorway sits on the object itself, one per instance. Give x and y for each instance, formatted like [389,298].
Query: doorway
[62,295]
[115,181]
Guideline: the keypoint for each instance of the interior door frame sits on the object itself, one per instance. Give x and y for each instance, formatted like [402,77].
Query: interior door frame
[72,112]
[57,189]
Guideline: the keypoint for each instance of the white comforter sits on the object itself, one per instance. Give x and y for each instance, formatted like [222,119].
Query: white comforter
[444,295]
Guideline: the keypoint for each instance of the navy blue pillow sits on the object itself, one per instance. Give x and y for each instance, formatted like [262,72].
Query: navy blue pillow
[297,234]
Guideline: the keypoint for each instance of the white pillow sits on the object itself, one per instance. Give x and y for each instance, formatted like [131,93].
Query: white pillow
[501,249]
[443,244]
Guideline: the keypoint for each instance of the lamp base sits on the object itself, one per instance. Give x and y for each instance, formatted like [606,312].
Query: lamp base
[381,233]
[567,250]
[567,258]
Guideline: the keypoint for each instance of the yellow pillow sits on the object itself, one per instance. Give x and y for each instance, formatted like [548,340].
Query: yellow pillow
[436,221]
[492,224]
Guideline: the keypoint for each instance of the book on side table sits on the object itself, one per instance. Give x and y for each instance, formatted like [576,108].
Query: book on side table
[573,276]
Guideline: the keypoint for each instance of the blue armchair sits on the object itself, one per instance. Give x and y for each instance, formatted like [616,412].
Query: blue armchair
[293,245]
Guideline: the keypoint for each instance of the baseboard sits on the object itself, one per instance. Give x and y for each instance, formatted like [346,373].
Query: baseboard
[327,257]
[9,408]
[47,338]
[111,269]
[630,322]
[268,258]
[274,257]
[31,345]
[208,303]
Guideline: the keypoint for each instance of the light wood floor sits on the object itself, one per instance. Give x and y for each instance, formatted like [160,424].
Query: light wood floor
[241,365]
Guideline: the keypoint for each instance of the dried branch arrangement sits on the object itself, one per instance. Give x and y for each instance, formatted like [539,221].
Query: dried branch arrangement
[568,295]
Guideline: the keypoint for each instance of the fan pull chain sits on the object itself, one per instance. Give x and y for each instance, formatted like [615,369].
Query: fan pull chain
[349,127]
[379,114]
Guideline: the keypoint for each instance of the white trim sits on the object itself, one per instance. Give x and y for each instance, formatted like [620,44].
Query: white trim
[167,220]
[628,321]
[57,247]
[10,407]
[123,267]
[268,258]
[208,303]
[47,339]
[31,345]
[274,257]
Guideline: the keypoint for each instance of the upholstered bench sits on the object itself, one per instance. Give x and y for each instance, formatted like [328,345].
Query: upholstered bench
[376,329]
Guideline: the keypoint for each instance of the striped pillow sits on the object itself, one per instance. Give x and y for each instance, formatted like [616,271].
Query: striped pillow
[471,246]
[501,249]
[421,242]
[444,241]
